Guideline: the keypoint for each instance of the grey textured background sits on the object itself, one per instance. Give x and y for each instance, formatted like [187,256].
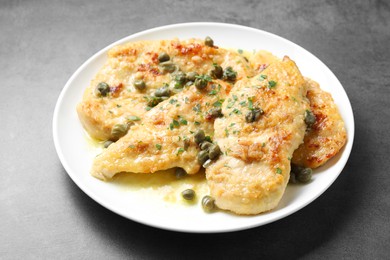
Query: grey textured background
[43,214]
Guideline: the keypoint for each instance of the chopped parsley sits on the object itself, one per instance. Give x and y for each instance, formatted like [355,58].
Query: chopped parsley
[262,77]
[250,103]
[196,108]
[197,123]
[182,121]
[243,103]
[236,111]
[278,170]
[204,77]
[271,84]
[180,150]
[218,103]
[230,104]
[214,89]
[172,101]
[158,146]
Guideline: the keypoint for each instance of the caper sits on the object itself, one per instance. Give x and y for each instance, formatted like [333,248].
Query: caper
[181,78]
[292,178]
[180,173]
[217,71]
[253,115]
[203,156]
[310,118]
[214,152]
[163,56]
[191,76]
[188,194]
[205,145]
[304,175]
[168,67]
[208,203]
[199,136]
[208,41]
[229,74]
[102,89]
[295,168]
[154,101]
[207,163]
[200,83]
[215,112]
[162,92]
[139,84]
[189,83]
[119,130]
[107,143]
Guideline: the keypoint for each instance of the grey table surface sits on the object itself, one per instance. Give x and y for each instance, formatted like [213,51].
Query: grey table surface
[45,215]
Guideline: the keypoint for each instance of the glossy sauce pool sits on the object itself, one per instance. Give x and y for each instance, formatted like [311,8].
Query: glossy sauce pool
[162,185]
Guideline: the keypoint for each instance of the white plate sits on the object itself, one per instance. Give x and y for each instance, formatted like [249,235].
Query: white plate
[76,156]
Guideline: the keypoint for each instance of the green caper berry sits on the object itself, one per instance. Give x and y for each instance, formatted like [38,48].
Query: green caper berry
[293,178]
[181,78]
[168,67]
[199,136]
[253,115]
[207,163]
[249,117]
[189,83]
[154,101]
[139,84]
[103,89]
[215,112]
[214,152]
[163,57]
[229,74]
[310,118]
[191,76]
[208,203]
[208,41]
[200,83]
[304,175]
[203,156]
[188,194]
[162,92]
[107,143]
[296,169]
[180,173]
[205,145]
[217,72]
[119,130]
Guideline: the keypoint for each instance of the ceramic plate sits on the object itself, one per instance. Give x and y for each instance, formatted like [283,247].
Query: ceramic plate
[156,202]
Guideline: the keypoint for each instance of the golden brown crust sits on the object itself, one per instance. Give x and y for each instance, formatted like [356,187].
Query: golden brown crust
[251,175]
[327,136]
[139,61]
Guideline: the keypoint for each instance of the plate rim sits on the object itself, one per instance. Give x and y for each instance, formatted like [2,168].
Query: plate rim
[284,211]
